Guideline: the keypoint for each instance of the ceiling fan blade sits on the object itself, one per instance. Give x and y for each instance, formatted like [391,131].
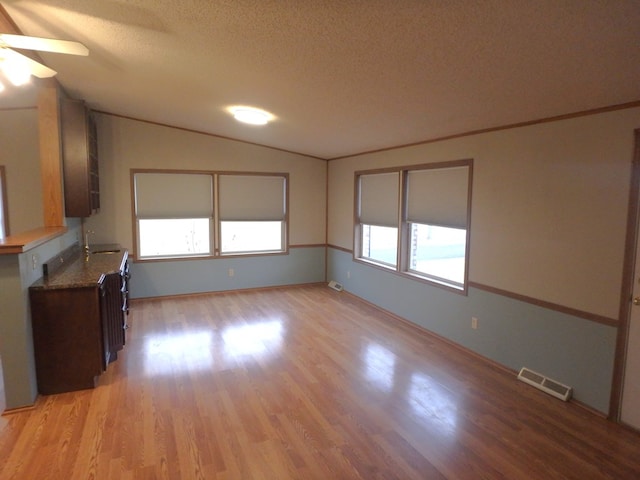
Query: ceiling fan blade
[37,69]
[43,44]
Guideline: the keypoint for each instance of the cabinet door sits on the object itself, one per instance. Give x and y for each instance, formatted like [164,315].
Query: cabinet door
[112,316]
[80,159]
[66,338]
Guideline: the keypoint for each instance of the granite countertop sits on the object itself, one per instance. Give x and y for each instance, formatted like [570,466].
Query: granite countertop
[80,270]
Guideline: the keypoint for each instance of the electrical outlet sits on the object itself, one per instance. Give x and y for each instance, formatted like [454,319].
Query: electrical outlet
[34,262]
[348,273]
[231,272]
[474,323]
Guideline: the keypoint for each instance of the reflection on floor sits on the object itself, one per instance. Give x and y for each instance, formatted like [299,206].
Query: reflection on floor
[304,383]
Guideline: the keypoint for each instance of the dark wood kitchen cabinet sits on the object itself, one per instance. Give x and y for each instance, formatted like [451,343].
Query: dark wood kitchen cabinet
[112,316]
[78,328]
[80,159]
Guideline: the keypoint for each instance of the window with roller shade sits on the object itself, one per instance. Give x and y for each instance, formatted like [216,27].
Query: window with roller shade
[174,214]
[377,213]
[252,211]
[415,220]
[437,223]
[194,214]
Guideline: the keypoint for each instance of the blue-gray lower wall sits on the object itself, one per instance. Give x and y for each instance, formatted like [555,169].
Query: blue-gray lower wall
[17,273]
[156,279]
[571,350]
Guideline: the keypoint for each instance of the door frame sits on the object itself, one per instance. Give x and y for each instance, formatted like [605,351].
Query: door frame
[628,280]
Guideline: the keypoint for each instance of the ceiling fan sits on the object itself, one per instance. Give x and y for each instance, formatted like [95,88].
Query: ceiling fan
[18,67]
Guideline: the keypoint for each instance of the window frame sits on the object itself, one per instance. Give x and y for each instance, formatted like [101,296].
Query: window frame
[403,254]
[359,225]
[284,218]
[214,220]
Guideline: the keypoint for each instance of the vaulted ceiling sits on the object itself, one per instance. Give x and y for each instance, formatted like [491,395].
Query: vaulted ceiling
[342,76]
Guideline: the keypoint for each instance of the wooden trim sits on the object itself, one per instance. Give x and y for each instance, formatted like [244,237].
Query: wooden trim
[50,154]
[215,177]
[326,221]
[568,116]
[287,189]
[134,222]
[220,257]
[626,292]
[342,249]
[13,109]
[4,201]
[583,113]
[467,252]
[135,259]
[208,134]
[29,240]
[223,292]
[26,408]
[377,171]
[401,267]
[611,322]
[355,230]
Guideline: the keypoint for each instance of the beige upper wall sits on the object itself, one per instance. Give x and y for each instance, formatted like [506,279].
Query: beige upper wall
[548,211]
[125,144]
[20,154]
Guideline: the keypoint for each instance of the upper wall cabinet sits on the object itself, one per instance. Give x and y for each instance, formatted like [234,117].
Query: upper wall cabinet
[80,159]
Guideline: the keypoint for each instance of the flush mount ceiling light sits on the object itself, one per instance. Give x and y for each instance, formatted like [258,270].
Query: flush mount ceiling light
[250,115]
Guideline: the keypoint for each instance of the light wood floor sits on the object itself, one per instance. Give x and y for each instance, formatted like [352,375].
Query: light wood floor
[304,383]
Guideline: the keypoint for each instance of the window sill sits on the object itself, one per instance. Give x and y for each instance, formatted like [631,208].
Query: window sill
[449,286]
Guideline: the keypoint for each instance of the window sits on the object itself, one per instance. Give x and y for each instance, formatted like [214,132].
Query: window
[436,214]
[377,213]
[163,237]
[438,252]
[432,216]
[176,215]
[252,213]
[246,236]
[380,244]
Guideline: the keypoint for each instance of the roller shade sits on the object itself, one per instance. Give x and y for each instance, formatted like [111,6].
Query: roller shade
[173,195]
[252,197]
[438,196]
[379,199]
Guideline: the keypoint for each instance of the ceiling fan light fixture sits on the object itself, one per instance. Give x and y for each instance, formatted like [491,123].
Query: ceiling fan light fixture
[251,115]
[17,72]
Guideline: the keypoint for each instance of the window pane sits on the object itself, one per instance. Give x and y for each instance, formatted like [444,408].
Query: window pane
[252,197]
[174,237]
[380,244]
[245,237]
[438,252]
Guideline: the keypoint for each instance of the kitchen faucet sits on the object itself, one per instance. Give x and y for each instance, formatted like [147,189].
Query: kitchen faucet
[87,249]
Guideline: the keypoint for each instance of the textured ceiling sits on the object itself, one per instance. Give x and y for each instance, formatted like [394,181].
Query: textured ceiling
[343,76]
